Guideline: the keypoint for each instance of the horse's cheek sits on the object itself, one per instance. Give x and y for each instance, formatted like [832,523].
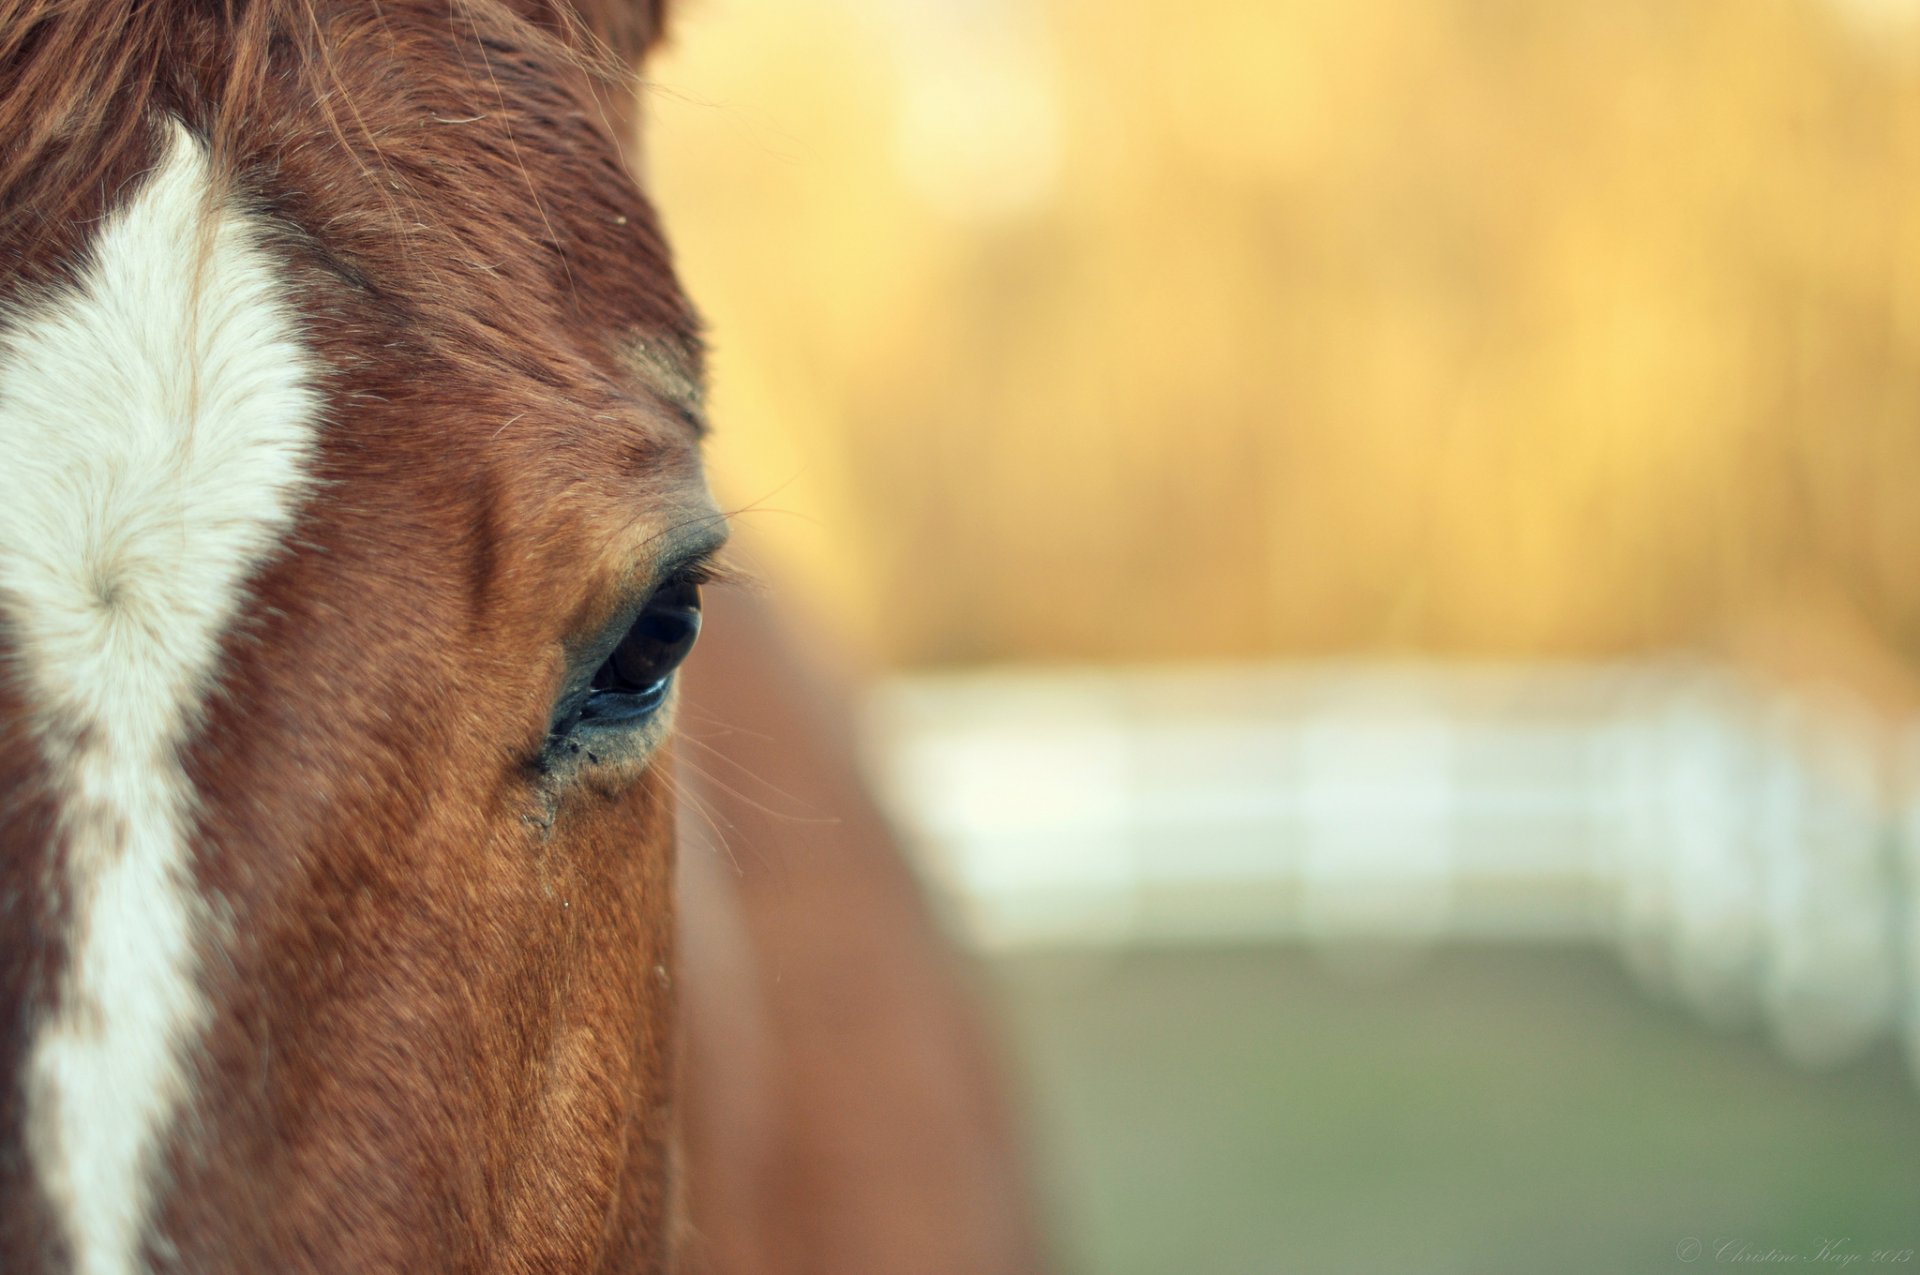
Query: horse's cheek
[588,1200]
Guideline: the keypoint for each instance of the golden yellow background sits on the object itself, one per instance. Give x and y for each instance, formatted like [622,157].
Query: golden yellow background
[1278,327]
[1481,330]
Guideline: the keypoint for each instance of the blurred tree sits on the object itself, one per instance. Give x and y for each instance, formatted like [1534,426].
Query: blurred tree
[1262,327]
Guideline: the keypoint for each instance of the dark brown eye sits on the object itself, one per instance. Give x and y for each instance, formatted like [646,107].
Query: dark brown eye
[635,679]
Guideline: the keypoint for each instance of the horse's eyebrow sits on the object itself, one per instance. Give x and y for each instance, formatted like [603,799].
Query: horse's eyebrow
[689,543]
[673,377]
[693,541]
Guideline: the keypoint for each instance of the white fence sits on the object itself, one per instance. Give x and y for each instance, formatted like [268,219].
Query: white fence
[1755,852]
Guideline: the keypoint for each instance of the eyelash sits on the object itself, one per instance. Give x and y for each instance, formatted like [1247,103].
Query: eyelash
[697,574]
[709,571]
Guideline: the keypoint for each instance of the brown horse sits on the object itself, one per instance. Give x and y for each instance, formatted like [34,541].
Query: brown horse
[352,529]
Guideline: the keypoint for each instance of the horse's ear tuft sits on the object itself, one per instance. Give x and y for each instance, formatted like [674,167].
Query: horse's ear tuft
[626,28]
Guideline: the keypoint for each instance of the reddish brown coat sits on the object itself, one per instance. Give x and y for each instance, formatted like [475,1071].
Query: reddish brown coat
[444,1021]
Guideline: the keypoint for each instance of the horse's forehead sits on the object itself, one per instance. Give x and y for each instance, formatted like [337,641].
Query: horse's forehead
[514,279]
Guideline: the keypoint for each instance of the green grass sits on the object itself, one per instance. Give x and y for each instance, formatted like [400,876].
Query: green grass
[1519,1110]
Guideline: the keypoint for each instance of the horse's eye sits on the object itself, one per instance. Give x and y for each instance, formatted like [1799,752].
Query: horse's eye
[636,678]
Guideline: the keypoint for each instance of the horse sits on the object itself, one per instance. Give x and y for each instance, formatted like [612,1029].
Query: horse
[353,536]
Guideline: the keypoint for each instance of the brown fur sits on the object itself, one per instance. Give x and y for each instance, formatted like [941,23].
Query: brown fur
[444,1006]
[844,1113]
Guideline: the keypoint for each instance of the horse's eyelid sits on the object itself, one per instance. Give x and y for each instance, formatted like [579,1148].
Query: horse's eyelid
[704,570]
[700,564]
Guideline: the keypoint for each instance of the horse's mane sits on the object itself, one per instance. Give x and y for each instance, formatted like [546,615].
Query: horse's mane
[84,77]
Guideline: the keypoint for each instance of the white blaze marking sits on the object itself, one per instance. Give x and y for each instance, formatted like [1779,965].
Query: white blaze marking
[154,424]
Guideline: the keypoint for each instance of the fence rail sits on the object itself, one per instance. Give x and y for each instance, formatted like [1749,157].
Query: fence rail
[1752,851]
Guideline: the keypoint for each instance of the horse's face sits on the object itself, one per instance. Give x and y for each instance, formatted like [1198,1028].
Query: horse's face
[351,520]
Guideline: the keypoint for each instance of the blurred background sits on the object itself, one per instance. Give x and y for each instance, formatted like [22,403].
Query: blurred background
[1390,532]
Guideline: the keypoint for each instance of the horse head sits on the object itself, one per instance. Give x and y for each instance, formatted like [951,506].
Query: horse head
[352,524]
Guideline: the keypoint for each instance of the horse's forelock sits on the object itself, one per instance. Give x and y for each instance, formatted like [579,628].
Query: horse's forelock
[337,103]
[85,77]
